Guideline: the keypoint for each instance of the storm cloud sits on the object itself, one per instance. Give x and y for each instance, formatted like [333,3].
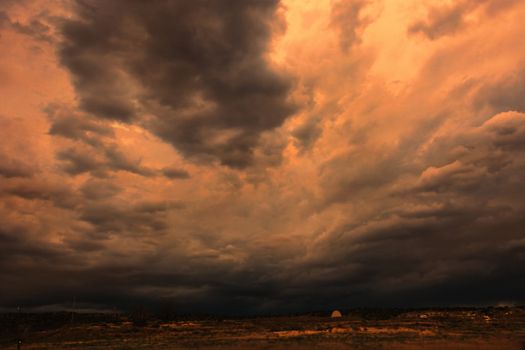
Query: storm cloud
[448,19]
[197,69]
[252,157]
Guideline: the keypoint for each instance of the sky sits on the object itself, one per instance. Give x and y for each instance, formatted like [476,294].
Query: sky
[256,157]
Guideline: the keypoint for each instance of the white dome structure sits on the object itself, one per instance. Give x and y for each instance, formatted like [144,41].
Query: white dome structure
[336,313]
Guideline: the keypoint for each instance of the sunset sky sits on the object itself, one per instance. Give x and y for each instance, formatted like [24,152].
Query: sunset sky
[261,156]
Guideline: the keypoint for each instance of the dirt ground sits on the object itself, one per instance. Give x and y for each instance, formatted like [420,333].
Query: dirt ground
[476,329]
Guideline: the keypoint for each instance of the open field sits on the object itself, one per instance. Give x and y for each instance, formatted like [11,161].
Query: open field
[492,328]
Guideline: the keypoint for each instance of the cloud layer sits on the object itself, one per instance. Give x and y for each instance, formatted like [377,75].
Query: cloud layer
[261,156]
[193,73]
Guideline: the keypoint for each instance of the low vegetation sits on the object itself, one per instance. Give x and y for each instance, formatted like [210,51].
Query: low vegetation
[479,329]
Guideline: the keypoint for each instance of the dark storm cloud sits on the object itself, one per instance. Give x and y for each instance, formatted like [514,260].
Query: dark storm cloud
[143,284]
[75,126]
[99,162]
[444,20]
[17,243]
[10,167]
[139,220]
[451,230]
[175,173]
[449,236]
[96,189]
[65,268]
[76,162]
[192,285]
[408,261]
[449,19]
[307,133]
[394,198]
[35,27]
[505,93]
[158,207]
[348,19]
[197,67]
[121,161]
[24,253]
[96,151]
[353,175]
[31,189]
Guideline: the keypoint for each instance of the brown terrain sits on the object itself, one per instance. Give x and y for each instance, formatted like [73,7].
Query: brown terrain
[490,328]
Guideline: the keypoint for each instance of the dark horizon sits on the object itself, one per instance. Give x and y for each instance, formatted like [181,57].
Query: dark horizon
[155,312]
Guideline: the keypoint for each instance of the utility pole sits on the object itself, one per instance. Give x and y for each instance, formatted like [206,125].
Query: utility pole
[18,340]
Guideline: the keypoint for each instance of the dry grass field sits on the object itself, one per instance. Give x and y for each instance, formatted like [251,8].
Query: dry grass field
[479,329]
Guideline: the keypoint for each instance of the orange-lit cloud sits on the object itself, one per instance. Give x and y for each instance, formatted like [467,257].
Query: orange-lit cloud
[262,156]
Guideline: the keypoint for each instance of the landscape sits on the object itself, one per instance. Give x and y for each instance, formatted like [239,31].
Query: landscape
[262,174]
[461,328]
